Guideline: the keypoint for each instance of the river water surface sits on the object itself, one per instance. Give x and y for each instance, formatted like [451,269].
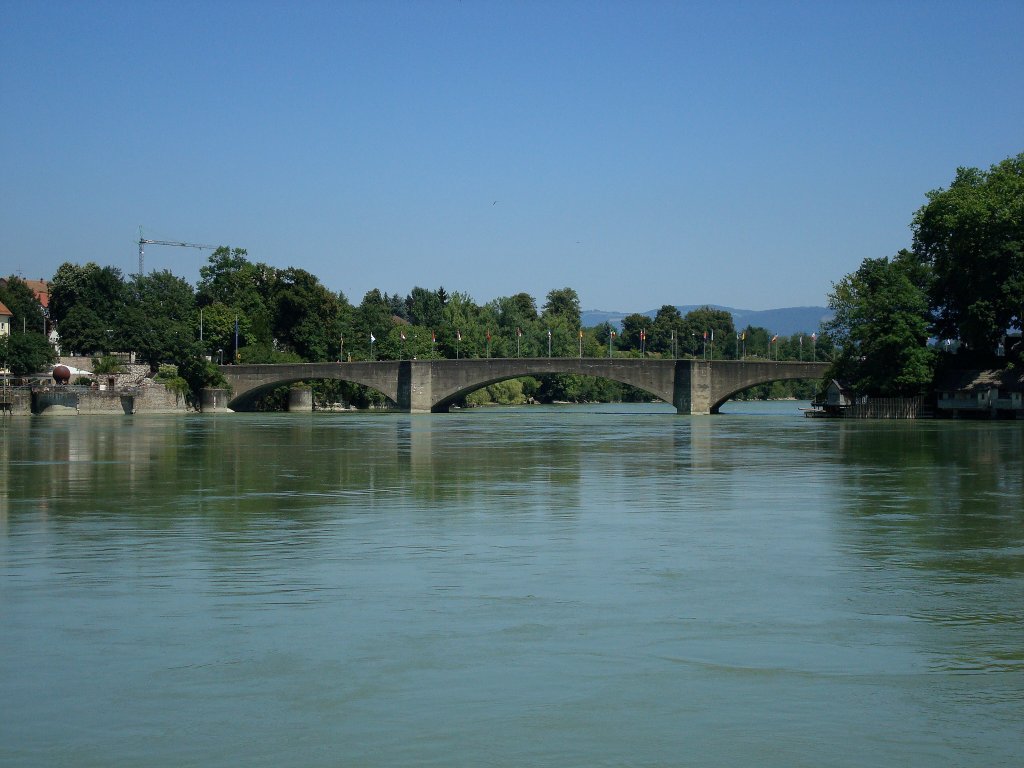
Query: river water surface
[547,586]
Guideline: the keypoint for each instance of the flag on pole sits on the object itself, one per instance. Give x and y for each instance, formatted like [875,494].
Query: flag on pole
[814,336]
[519,331]
[402,334]
[581,333]
[458,335]
[705,335]
[433,337]
[774,338]
[372,337]
[712,334]
[488,335]
[549,333]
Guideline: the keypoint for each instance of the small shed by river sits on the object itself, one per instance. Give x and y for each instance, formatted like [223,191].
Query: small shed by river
[981,394]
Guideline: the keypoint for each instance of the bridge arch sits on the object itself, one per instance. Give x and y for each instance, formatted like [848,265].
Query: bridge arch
[734,376]
[451,383]
[250,382]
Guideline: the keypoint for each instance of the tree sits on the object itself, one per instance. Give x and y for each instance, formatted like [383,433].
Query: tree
[880,328]
[245,288]
[423,307]
[25,353]
[707,331]
[159,319]
[668,325]
[306,316]
[564,303]
[371,317]
[85,302]
[26,311]
[972,237]
[632,325]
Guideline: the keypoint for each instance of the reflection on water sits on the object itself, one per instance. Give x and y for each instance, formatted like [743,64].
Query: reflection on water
[553,586]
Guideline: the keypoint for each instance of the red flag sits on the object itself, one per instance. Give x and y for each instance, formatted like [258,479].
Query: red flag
[705,335]
[488,335]
[433,336]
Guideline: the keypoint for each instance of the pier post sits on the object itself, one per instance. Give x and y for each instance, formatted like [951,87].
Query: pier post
[213,400]
[300,400]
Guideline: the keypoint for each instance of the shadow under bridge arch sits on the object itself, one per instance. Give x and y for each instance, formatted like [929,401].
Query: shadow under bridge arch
[250,382]
[734,376]
[450,380]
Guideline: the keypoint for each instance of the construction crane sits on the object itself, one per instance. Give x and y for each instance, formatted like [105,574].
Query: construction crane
[143,242]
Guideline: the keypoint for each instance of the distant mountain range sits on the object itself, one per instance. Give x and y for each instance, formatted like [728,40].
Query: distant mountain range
[785,321]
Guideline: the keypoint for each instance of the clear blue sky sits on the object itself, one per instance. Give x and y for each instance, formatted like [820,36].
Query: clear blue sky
[739,153]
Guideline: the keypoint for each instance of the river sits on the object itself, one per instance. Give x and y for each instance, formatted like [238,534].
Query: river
[545,586]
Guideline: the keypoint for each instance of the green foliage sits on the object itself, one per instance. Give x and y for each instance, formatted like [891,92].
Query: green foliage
[307,318]
[106,364]
[159,320]
[256,354]
[199,373]
[26,353]
[86,304]
[244,291]
[880,329]
[971,237]
[423,307]
[563,303]
[26,311]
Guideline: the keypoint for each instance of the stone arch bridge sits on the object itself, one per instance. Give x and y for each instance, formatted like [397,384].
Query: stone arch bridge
[431,386]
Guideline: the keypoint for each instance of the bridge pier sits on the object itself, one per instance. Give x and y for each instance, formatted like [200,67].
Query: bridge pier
[692,388]
[300,400]
[415,386]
